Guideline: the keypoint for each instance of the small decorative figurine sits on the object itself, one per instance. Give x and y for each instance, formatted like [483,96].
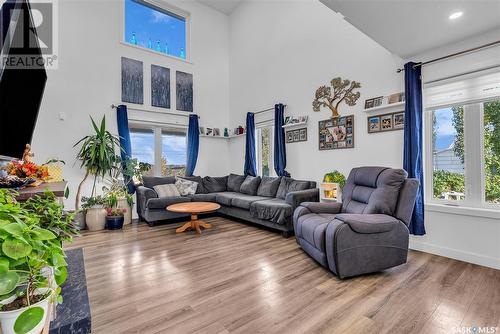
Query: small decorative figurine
[28,154]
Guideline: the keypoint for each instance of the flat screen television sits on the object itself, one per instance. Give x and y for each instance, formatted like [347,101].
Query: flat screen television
[21,89]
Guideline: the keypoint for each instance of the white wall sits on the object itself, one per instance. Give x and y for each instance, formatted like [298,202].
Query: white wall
[88,81]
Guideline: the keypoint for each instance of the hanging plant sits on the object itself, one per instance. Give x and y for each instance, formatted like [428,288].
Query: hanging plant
[332,96]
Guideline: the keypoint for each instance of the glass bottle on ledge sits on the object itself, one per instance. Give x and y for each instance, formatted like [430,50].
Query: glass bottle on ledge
[182,54]
[133,40]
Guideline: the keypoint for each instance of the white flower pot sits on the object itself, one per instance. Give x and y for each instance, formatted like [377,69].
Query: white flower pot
[80,220]
[8,318]
[123,204]
[95,218]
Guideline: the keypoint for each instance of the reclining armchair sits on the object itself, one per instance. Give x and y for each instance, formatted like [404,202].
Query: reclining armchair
[368,231]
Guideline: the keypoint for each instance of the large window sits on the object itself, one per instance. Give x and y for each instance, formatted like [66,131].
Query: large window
[164,149]
[464,140]
[149,26]
[265,150]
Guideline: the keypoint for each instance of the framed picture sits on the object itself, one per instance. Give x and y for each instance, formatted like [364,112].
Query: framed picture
[295,136]
[303,119]
[386,122]
[184,91]
[399,121]
[374,102]
[132,81]
[216,132]
[395,98]
[209,131]
[160,86]
[202,130]
[373,124]
[336,133]
[288,119]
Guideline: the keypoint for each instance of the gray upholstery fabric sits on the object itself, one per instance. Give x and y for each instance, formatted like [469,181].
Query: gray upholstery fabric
[199,189]
[247,217]
[143,195]
[225,198]
[162,203]
[151,181]
[288,184]
[234,182]
[243,201]
[215,184]
[268,186]
[250,185]
[369,223]
[332,208]
[275,210]
[372,190]
[203,197]
[294,198]
[406,202]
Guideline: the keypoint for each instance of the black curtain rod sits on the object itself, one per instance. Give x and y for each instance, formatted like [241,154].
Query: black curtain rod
[268,109]
[170,113]
[488,45]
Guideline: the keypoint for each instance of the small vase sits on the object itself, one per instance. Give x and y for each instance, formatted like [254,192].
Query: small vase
[96,218]
[114,222]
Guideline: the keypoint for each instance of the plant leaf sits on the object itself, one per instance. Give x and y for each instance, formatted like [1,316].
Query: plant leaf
[15,248]
[14,229]
[58,260]
[61,275]
[4,265]
[28,320]
[8,282]
[43,234]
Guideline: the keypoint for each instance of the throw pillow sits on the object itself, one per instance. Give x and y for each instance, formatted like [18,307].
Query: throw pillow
[250,185]
[268,186]
[234,182]
[166,190]
[151,181]
[197,179]
[186,187]
[215,184]
[288,184]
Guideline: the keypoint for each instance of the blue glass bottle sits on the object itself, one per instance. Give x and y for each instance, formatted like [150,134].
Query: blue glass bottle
[133,40]
[150,44]
[166,48]
[182,55]
[158,47]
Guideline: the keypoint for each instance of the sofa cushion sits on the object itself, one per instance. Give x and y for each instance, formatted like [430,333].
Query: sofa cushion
[186,187]
[312,227]
[166,190]
[151,181]
[234,182]
[199,189]
[250,185]
[243,201]
[215,184]
[268,186]
[287,184]
[275,210]
[162,203]
[225,198]
[203,197]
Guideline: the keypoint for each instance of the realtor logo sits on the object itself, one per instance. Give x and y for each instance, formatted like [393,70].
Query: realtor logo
[29,34]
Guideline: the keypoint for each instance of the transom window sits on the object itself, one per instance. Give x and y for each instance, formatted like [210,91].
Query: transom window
[151,27]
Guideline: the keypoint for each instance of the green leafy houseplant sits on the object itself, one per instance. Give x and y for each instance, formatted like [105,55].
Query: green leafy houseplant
[97,155]
[27,251]
[335,177]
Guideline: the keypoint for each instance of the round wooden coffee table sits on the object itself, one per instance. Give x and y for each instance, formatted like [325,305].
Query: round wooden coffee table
[194,208]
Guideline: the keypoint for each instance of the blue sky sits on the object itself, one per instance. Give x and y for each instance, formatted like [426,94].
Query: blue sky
[149,24]
[173,148]
[445,132]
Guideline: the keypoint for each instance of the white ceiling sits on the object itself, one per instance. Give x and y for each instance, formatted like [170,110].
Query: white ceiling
[223,6]
[410,27]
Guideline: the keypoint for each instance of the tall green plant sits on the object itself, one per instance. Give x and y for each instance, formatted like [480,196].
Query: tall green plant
[97,155]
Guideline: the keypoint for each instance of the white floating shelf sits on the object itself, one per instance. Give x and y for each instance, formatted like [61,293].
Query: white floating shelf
[222,137]
[292,125]
[391,106]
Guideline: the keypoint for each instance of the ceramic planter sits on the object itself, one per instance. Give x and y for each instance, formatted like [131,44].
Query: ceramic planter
[114,222]
[95,218]
[8,318]
[123,204]
[80,220]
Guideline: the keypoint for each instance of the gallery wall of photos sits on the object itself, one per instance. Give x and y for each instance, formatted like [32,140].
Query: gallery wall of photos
[336,133]
[386,122]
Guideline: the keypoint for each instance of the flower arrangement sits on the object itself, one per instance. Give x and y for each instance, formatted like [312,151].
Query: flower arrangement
[115,212]
[27,169]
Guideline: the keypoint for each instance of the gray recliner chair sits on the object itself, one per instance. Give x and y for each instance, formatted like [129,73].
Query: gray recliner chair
[368,231]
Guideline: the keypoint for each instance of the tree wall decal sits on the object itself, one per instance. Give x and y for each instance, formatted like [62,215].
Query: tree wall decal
[338,92]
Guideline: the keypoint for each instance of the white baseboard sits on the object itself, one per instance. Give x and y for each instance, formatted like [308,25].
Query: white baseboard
[456,254]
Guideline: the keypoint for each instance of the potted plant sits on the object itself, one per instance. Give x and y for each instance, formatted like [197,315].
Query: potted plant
[114,218]
[29,254]
[97,155]
[337,181]
[95,216]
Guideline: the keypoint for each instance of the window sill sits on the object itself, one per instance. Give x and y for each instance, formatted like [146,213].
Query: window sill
[156,52]
[464,211]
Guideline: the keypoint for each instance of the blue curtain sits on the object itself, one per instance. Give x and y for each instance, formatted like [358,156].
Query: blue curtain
[125,144]
[413,147]
[250,158]
[193,144]
[279,141]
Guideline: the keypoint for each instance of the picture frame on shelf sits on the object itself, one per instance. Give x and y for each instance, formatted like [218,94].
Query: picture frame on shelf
[399,121]
[395,98]
[202,130]
[287,120]
[374,102]
[216,132]
[386,122]
[209,132]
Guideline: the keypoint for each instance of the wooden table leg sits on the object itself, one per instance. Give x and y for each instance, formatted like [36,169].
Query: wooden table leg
[194,224]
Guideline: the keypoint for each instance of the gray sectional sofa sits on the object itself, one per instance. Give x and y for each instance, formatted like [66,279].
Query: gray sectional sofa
[268,201]
[368,231]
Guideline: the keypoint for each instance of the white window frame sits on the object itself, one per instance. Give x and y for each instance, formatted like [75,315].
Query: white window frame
[475,194]
[157,133]
[258,148]
[169,10]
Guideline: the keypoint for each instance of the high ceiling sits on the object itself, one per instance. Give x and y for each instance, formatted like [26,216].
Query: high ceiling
[224,6]
[410,27]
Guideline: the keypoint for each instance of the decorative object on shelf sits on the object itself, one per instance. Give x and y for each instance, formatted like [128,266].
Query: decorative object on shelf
[202,130]
[55,170]
[132,81]
[386,122]
[332,186]
[384,100]
[184,91]
[336,133]
[338,92]
[209,132]
[160,86]
[288,120]
[115,218]
[27,154]
[374,102]
[292,121]
[26,171]
[216,132]
[226,132]
[395,98]
[14,182]
[295,136]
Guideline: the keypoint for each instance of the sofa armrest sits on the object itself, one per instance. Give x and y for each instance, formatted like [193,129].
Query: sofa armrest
[328,208]
[294,198]
[143,195]
[369,223]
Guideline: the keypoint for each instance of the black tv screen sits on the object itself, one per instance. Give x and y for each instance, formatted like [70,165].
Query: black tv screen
[21,88]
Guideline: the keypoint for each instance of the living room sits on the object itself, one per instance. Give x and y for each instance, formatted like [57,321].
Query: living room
[269,166]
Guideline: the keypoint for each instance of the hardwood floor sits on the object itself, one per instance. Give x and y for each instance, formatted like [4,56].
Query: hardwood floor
[238,278]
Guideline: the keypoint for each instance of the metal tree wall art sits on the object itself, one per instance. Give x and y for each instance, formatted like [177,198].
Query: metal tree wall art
[331,97]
